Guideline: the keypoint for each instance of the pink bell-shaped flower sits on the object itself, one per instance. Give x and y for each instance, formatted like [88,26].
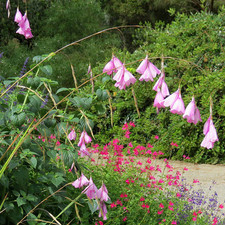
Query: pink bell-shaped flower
[102,193]
[18,16]
[102,211]
[90,190]
[148,70]
[83,150]
[178,106]
[24,27]
[80,182]
[72,135]
[158,102]
[123,78]
[192,113]
[112,66]
[84,139]
[171,99]
[210,133]
[175,102]
[162,84]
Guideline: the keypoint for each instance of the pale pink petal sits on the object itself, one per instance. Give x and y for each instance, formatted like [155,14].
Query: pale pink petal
[83,150]
[28,34]
[117,63]
[143,66]
[158,83]
[154,70]
[103,210]
[170,100]
[20,31]
[147,75]
[164,89]
[190,111]
[178,107]
[72,135]
[80,182]
[18,16]
[206,126]
[90,190]
[197,116]
[87,138]
[158,102]
[109,67]
[102,193]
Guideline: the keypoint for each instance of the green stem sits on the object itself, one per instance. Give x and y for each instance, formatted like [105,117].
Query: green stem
[14,151]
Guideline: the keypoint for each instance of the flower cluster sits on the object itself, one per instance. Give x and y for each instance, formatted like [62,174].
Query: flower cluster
[163,98]
[93,193]
[84,139]
[23,23]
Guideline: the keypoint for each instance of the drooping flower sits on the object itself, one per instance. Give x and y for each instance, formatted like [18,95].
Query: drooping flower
[123,78]
[175,102]
[162,84]
[84,151]
[158,102]
[102,193]
[148,70]
[72,135]
[8,7]
[24,25]
[18,16]
[192,113]
[102,211]
[84,139]
[210,133]
[90,190]
[112,66]
[80,182]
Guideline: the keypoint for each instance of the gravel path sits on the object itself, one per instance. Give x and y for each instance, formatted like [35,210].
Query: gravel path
[208,175]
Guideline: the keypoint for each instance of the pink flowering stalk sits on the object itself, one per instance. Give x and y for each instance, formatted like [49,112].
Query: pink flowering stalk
[148,70]
[162,84]
[123,78]
[90,190]
[80,182]
[175,102]
[192,113]
[24,25]
[112,66]
[72,135]
[84,139]
[210,133]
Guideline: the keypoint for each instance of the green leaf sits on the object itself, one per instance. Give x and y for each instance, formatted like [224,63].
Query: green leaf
[100,108]
[57,179]
[93,205]
[47,70]
[105,79]
[86,103]
[33,162]
[35,104]
[20,201]
[61,90]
